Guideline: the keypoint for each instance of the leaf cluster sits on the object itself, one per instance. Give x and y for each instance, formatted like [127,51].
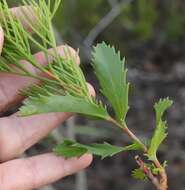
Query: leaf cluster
[64,76]
[63,87]
[139,174]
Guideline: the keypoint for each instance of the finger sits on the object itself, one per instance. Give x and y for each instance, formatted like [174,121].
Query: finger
[34,172]
[17,134]
[20,13]
[1,39]
[10,85]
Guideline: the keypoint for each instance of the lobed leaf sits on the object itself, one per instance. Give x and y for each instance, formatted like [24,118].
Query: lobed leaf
[68,103]
[161,107]
[139,174]
[67,150]
[111,73]
[104,150]
[134,146]
[160,131]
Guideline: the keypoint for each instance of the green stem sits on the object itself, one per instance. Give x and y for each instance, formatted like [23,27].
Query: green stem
[129,133]
[163,176]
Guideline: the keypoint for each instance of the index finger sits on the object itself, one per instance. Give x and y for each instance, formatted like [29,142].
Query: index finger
[19,12]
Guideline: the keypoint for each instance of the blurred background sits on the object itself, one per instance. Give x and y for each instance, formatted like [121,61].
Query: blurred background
[151,35]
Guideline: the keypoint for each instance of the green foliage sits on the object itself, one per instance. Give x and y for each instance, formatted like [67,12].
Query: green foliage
[160,131]
[54,103]
[66,78]
[111,72]
[37,17]
[134,146]
[70,149]
[161,107]
[139,174]
[63,87]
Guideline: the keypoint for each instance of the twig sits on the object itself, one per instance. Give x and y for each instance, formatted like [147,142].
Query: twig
[129,133]
[162,182]
[163,175]
[148,173]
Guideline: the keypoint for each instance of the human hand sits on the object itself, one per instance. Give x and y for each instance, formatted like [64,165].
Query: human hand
[18,134]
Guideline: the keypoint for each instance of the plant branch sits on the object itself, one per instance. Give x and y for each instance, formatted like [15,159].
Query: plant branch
[163,175]
[129,133]
[161,184]
[148,172]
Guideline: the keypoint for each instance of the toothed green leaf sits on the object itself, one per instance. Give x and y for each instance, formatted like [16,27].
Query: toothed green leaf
[55,103]
[67,150]
[138,174]
[161,107]
[160,132]
[111,73]
[104,150]
[134,146]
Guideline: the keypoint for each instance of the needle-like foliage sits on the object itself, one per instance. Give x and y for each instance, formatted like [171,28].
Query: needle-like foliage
[63,87]
[65,77]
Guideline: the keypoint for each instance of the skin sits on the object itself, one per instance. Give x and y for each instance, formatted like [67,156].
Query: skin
[19,134]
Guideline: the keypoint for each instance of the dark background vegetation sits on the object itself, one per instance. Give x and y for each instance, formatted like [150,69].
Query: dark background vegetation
[151,35]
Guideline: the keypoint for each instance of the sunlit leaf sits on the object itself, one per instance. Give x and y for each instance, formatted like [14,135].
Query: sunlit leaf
[67,103]
[111,73]
[160,132]
[67,150]
[138,174]
[104,150]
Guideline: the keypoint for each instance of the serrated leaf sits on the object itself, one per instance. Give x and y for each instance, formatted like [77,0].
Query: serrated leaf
[161,107]
[153,168]
[134,146]
[111,73]
[104,150]
[138,174]
[67,150]
[160,131]
[55,103]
